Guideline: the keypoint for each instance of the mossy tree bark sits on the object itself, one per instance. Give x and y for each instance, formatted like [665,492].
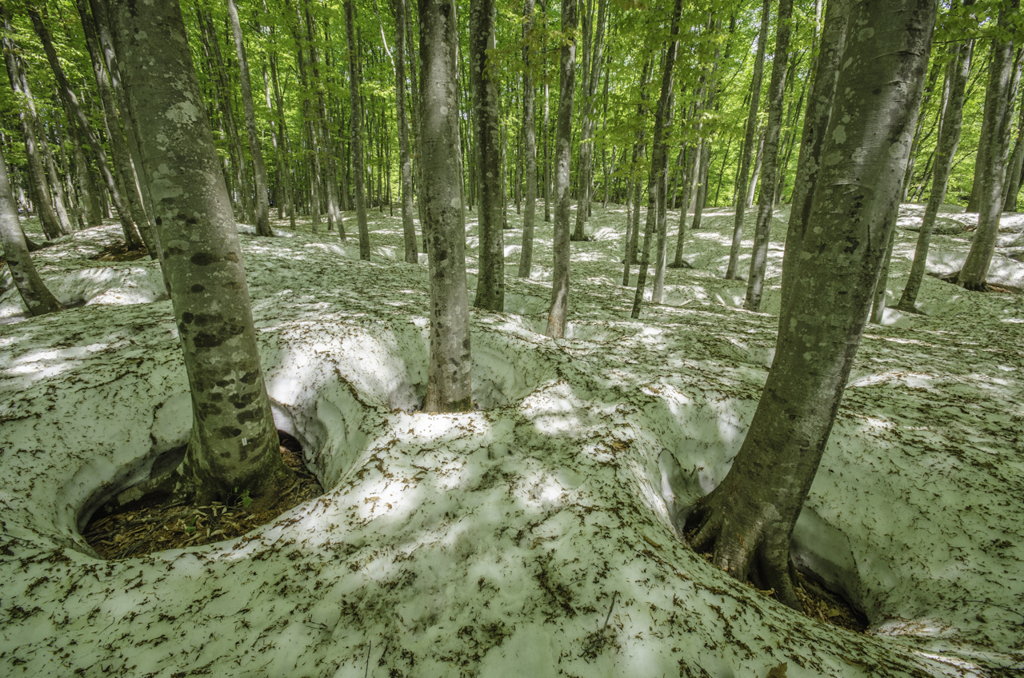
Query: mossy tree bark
[747,521]
[449,379]
[819,111]
[233,447]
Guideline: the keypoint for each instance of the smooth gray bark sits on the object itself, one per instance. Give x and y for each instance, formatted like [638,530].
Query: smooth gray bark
[593,51]
[404,155]
[747,521]
[449,379]
[234,444]
[769,161]
[483,74]
[356,140]
[657,185]
[259,169]
[747,153]
[816,118]
[37,298]
[558,312]
[992,150]
[529,144]
[949,138]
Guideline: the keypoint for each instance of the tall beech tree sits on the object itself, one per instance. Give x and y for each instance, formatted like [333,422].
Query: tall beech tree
[949,137]
[529,143]
[992,154]
[559,309]
[449,378]
[404,154]
[234,444]
[255,150]
[483,74]
[356,140]
[747,152]
[769,161]
[37,298]
[746,523]
[657,184]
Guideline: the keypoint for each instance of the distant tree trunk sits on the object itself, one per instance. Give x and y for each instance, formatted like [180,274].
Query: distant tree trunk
[949,138]
[1015,169]
[404,156]
[356,143]
[259,169]
[690,164]
[881,286]
[593,48]
[747,521]
[448,373]
[234,441]
[639,153]
[766,199]
[483,72]
[529,145]
[75,112]
[38,300]
[558,313]
[658,183]
[283,155]
[991,149]
[816,119]
[755,171]
[38,182]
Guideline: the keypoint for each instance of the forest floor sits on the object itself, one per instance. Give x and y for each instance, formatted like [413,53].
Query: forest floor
[535,535]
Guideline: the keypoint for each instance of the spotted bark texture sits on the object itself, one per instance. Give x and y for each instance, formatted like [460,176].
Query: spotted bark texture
[233,446]
[449,383]
[747,521]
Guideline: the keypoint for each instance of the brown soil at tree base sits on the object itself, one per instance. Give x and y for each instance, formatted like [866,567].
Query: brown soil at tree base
[119,252]
[149,528]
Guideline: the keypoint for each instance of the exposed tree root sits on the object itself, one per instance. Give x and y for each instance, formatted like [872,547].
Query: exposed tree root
[744,538]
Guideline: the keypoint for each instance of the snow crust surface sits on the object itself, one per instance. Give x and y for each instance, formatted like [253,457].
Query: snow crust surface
[535,536]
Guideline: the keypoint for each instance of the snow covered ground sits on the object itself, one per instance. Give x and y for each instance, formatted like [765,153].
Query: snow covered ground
[533,537]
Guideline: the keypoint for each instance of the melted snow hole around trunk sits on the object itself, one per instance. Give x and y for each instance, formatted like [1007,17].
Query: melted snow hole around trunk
[707,436]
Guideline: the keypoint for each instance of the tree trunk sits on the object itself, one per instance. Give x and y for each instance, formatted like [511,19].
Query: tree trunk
[657,186]
[38,300]
[766,199]
[747,521]
[404,157]
[558,313]
[816,119]
[529,145]
[449,370]
[991,149]
[259,169]
[593,49]
[233,447]
[38,183]
[75,112]
[356,142]
[949,138]
[490,286]
[283,155]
